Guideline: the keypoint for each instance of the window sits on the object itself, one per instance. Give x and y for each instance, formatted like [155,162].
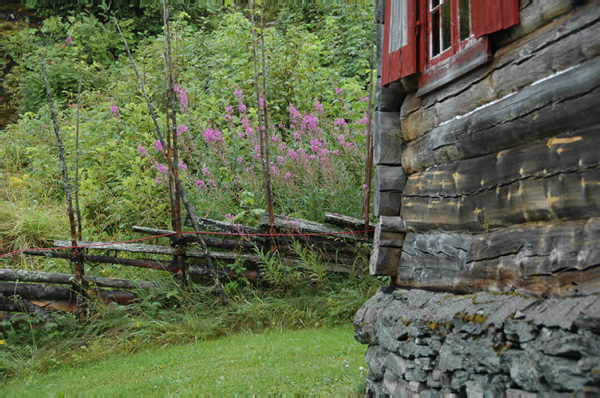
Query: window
[441,39]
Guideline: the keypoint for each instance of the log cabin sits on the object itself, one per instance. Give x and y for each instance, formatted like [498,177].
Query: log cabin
[487,193]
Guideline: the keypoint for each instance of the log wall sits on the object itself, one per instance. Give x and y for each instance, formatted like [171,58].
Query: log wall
[492,182]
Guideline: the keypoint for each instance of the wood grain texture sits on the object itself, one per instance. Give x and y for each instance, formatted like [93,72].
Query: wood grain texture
[565,102]
[386,203]
[562,44]
[565,153]
[567,196]
[387,138]
[389,178]
[518,258]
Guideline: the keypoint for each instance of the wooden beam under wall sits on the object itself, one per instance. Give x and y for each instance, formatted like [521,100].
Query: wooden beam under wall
[519,258]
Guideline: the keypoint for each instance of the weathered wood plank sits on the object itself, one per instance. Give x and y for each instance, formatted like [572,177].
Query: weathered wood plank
[564,284]
[388,178]
[344,221]
[142,263]
[387,203]
[387,138]
[304,226]
[220,226]
[210,241]
[25,306]
[502,260]
[558,46]
[391,224]
[31,291]
[436,250]
[19,275]
[561,103]
[565,153]
[384,261]
[567,196]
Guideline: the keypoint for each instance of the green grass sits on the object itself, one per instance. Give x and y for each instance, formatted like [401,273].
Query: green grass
[316,361]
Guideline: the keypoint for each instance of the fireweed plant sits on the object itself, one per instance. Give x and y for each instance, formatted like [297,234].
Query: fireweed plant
[317,162]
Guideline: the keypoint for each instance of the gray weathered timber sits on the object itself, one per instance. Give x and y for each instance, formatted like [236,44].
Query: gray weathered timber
[220,226]
[344,221]
[387,248]
[391,224]
[387,203]
[384,261]
[561,103]
[560,45]
[388,178]
[32,291]
[19,275]
[304,226]
[131,248]
[508,257]
[568,196]
[436,250]
[389,98]
[210,241]
[387,138]
[142,263]
[566,153]
[568,283]
[26,306]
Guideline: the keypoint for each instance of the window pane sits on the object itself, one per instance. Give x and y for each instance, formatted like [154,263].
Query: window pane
[398,25]
[435,33]
[446,26]
[465,20]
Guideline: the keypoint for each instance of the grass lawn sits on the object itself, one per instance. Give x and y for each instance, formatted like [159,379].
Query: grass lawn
[321,361]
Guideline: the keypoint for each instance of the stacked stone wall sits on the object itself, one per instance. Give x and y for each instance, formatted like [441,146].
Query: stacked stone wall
[425,345]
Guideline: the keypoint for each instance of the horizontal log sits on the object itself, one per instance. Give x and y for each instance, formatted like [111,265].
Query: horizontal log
[220,226]
[25,306]
[384,261]
[31,291]
[152,264]
[563,102]
[297,225]
[558,46]
[19,275]
[571,282]
[210,241]
[565,153]
[343,221]
[517,253]
[565,196]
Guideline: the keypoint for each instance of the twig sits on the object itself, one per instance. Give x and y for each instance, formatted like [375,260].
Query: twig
[173,154]
[77,209]
[184,198]
[263,131]
[369,161]
[81,302]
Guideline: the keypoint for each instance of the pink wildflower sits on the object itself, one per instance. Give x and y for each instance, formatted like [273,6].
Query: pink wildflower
[240,160]
[182,165]
[158,180]
[238,93]
[114,109]
[212,183]
[275,138]
[201,185]
[158,146]
[206,172]
[318,106]
[183,98]
[142,150]
[69,40]
[339,91]
[288,175]
[229,216]
[340,122]
[181,129]
[364,99]
[242,108]
[161,167]
[280,159]
[341,139]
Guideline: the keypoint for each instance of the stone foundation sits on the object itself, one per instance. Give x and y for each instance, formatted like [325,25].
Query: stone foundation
[424,344]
